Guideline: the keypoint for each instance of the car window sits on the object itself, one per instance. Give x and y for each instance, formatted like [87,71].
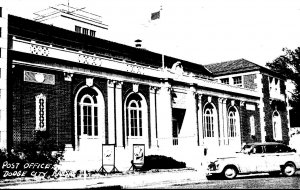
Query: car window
[283,148]
[257,150]
[246,148]
[271,148]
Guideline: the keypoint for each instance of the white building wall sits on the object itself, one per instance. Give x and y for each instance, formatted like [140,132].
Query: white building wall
[164,116]
[3,76]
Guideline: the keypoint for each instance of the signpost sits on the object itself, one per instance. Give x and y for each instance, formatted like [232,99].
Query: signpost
[138,156]
[108,158]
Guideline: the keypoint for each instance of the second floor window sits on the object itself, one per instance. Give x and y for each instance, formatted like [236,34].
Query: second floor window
[78,29]
[237,81]
[225,81]
[85,31]
[92,33]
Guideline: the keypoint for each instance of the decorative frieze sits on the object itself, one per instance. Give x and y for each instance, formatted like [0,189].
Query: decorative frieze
[89,60]
[39,50]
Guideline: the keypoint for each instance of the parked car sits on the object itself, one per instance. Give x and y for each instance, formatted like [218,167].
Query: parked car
[269,157]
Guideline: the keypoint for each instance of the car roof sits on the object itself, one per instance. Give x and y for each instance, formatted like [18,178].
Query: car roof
[265,143]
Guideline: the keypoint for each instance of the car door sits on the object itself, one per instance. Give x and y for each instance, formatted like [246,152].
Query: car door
[252,161]
[271,158]
[260,153]
[283,155]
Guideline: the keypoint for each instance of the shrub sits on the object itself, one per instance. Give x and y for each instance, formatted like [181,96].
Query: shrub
[42,152]
[161,162]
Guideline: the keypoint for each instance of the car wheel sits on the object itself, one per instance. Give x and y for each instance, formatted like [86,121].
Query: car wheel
[289,169]
[230,172]
[274,174]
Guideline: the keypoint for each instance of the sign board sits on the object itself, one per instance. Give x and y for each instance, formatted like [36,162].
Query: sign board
[108,154]
[138,154]
[250,107]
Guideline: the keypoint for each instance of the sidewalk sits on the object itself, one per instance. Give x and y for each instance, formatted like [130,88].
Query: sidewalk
[131,180]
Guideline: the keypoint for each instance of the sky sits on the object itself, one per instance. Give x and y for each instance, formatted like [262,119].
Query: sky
[200,31]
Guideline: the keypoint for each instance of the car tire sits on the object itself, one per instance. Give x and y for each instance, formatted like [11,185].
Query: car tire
[289,169]
[230,172]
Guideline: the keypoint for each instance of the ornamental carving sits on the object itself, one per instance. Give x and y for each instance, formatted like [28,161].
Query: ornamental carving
[39,50]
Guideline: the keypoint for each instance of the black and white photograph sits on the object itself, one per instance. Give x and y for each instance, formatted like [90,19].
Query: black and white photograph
[149,94]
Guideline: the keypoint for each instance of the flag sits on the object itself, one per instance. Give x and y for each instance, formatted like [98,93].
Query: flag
[155,15]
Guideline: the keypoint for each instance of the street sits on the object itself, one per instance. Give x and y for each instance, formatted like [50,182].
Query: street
[181,179]
[259,181]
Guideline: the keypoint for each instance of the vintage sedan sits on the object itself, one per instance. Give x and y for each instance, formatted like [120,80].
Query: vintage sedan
[269,157]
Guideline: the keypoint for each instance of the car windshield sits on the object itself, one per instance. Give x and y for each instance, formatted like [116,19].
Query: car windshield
[246,149]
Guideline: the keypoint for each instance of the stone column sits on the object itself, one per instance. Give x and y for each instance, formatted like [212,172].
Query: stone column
[153,116]
[119,114]
[225,123]
[192,113]
[200,121]
[111,111]
[221,121]
[164,115]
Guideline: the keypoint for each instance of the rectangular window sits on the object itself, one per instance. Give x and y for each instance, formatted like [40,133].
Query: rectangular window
[85,31]
[0,11]
[78,29]
[237,81]
[92,33]
[40,102]
[225,81]
[0,32]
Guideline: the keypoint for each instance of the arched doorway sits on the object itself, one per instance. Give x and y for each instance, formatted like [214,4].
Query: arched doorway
[89,120]
[277,128]
[233,128]
[136,119]
[210,125]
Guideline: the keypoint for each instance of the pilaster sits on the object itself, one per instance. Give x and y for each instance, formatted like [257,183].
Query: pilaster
[153,116]
[111,110]
[200,120]
[119,114]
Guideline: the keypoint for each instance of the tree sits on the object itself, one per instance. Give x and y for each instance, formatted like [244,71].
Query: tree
[289,66]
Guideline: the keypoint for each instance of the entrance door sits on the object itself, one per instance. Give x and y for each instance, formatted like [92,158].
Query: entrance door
[89,131]
[89,138]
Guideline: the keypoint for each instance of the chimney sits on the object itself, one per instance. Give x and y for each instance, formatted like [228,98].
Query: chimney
[138,43]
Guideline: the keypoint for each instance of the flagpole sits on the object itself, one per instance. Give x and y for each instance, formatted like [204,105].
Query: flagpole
[162,54]
[155,16]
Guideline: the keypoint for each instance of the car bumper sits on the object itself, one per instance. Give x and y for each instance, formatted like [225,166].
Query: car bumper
[212,172]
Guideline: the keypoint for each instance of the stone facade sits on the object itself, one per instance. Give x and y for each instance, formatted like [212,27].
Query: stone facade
[87,92]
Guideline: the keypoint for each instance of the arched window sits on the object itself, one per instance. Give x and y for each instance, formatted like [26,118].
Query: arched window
[135,115]
[232,122]
[135,118]
[277,132]
[208,121]
[252,125]
[88,116]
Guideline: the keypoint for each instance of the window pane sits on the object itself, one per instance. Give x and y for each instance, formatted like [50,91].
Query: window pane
[140,123]
[85,31]
[95,121]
